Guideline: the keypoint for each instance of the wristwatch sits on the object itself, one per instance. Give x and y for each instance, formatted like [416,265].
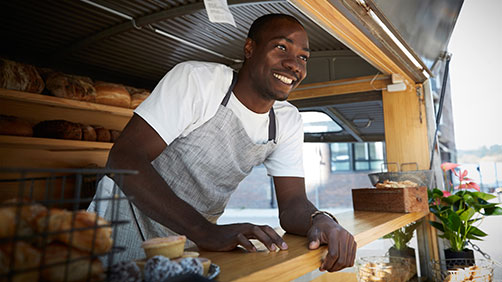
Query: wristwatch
[322,212]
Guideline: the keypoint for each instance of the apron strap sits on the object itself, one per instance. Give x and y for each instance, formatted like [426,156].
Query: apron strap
[271,113]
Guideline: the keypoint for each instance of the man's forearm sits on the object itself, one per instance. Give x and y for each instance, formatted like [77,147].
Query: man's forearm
[296,219]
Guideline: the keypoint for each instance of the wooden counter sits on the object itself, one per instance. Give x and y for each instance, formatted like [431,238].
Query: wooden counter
[298,259]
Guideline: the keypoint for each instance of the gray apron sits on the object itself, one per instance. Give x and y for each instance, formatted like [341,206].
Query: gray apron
[204,169]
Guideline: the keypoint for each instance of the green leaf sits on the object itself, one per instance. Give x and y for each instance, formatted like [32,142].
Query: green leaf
[484,196]
[477,232]
[467,214]
[472,237]
[451,199]
[454,221]
[437,225]
[493,211]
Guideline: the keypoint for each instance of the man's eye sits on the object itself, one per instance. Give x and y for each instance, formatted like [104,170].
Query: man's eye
[282,47]
[305,58]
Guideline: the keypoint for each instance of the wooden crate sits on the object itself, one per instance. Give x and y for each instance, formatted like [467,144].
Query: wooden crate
[412,199]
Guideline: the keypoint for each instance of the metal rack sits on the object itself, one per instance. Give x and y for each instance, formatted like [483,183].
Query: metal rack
[48,191]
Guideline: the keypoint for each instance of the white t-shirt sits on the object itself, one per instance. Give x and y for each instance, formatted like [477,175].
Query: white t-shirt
[190,94]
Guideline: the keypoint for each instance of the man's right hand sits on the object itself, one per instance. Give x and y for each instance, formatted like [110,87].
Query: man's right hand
[228,237]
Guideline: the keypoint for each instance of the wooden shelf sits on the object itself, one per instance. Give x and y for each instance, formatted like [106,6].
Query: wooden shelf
[52,144]
[298,259]
[62,102]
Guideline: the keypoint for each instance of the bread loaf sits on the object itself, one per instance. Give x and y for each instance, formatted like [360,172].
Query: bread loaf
[103,134]
[112,94]
[10,125]
[18,76]
[60,129]
[88,133]
[137,96]
[70,86]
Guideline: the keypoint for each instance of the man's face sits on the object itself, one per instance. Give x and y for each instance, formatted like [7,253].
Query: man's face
[278,59]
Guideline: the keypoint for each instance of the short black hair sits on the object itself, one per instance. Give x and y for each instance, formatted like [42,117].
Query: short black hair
[260,23]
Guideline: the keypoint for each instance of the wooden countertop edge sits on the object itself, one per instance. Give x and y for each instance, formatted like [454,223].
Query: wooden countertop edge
[373,234]
[53,144]
[62,102]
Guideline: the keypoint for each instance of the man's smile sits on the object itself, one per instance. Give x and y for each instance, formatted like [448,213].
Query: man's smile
[284,79]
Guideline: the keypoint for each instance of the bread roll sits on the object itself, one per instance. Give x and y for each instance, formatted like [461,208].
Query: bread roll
[56,255]
[103,134]
[18,76]
[115,135]
[25,257]
[61,221]
[10,125]
[60,129]
[112,94]
[88,133]
[29,213]
[71,86]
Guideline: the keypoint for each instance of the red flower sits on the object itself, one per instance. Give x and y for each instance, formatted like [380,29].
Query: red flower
[449,166]
[468,185]
[446,194]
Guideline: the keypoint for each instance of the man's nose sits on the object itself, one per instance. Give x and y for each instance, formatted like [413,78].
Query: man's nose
[292,64]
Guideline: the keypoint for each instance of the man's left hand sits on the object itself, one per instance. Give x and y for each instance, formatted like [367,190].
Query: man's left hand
[341,245]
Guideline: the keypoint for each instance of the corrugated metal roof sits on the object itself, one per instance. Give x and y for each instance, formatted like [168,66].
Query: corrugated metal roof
[79,38]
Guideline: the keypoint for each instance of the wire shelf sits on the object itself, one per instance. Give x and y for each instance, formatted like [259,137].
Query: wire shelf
[49,231]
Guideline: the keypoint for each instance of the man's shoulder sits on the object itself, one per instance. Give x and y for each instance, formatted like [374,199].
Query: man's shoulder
[202,66]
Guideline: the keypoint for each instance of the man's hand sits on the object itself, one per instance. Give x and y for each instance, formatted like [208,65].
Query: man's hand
[341,245]
[227,237]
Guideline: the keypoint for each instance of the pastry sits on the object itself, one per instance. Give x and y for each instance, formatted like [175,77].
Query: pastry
[70,86]
[76,270]
[88,133]
[191,265]
[25,257]
[125,271]
[21,77]
[137,96]
[112,94]
[92,239]
[114,135]
[160,269]
[10,125]
[59,129]
[28,214]
[170,247]
[206,263]
[190,254]
[102,134]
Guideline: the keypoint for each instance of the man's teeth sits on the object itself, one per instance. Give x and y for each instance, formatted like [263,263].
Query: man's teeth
[283,78]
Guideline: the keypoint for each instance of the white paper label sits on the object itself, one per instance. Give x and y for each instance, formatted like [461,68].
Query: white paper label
[218,12]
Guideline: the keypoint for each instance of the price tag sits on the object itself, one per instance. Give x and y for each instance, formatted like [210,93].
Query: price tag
[218,12]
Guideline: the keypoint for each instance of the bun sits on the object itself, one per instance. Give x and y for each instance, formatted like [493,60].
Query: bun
[112,94]
[61,220]
[21,77]
[60,129]
[103,134]
[10,125]
[137,96]
[79,269]
[170,246]
[25,257]
[71,86]
[115,135]
[88,133]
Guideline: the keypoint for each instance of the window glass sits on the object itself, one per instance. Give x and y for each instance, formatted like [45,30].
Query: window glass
[361,151]
[318,122]
[340,156]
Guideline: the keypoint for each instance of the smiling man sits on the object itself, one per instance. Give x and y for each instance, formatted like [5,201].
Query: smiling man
[200,133]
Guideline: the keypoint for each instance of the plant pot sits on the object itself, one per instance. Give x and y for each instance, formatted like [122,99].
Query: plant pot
[464,254]
[408,254]
[455,259]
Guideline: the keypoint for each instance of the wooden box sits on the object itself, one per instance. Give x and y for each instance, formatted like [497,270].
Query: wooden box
[412,199]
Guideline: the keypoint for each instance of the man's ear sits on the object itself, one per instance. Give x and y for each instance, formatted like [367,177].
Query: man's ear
[249,48]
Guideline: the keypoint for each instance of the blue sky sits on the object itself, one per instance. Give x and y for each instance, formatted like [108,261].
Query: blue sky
[476,74]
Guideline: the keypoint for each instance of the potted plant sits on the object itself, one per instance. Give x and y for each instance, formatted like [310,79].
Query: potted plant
[401,237]
[459,210]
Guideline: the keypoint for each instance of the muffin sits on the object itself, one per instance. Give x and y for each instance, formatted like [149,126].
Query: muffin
[205,264]
[170,247]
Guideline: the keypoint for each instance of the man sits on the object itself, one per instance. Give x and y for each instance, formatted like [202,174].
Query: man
[201,132]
